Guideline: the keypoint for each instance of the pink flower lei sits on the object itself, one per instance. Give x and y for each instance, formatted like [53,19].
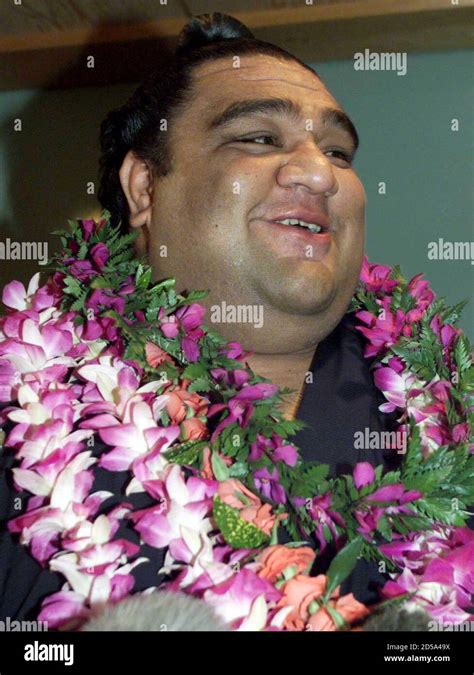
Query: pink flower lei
[101,353]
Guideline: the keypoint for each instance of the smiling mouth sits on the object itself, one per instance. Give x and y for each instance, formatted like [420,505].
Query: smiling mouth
[292,236]
[295,222]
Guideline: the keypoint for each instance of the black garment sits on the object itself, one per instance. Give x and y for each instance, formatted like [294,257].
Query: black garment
[341,401]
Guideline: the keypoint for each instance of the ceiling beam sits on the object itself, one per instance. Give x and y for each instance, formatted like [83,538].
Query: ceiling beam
[313,33]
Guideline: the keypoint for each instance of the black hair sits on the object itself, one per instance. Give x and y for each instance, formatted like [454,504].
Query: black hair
[136,125]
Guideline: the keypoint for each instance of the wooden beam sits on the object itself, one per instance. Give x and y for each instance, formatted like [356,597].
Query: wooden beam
[124,53]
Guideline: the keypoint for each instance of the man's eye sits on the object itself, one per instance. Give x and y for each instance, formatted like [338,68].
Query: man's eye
[347,157]
[257,139]
[266,139]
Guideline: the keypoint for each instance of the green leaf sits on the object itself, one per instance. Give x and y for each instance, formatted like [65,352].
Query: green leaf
[185,453]
[309,479]
[238,470]
[236,531]
[338,619]
[427,481]
[461,353]
[83,249]
[287,428]
[72,287]
[143,277]
[369,301]
[122,245]
[200,384]
[342,565]
[452,315]
[440,510]
[383,527]
[219,467]
[194,370]
[78,305]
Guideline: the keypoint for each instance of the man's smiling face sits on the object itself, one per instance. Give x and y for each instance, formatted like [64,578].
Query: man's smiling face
[235,171]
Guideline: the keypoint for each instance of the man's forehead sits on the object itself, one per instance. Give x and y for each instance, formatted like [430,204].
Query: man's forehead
[218,79]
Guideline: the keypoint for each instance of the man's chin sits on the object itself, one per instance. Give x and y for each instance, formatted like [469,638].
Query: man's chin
[298,295]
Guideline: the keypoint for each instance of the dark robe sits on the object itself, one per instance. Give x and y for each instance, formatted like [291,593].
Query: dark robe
[341,401]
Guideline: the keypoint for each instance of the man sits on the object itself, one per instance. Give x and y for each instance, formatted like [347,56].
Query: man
[260,139]
[255,197]
[244,158]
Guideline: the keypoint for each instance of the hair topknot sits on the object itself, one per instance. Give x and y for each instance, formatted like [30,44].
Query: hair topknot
[209,28]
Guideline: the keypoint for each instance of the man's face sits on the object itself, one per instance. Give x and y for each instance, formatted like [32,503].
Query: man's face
[215,211]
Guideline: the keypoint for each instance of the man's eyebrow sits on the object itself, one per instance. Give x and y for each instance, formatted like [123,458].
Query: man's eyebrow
[338,118]
[255,106]
[286,107]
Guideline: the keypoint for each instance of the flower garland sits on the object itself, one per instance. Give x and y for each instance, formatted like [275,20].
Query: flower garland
[100,352]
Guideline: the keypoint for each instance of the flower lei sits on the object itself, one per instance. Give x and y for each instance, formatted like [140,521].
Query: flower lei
[100,351]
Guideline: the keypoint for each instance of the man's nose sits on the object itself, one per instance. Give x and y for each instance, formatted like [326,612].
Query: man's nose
[306,165]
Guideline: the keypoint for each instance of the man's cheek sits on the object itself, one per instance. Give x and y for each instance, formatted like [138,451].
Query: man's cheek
[229,202]
[218,189]
[248,175]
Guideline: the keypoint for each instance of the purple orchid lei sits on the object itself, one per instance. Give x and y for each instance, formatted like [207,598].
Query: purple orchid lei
[100,352]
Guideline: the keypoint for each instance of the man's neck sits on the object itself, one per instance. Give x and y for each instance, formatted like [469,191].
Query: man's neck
[285,370]
[283,345]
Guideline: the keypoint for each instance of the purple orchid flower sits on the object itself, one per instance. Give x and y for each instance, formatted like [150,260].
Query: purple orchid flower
[275,448]
[188,320]
[82,269]
[240,406]
[268,485]
[100,298]
[320,512]
[363,474]
[100,254]
[376,277]
[374,506]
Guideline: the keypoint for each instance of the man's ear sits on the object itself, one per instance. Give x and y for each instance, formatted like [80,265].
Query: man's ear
[136,179]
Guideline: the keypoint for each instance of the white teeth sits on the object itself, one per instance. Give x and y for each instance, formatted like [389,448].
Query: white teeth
[302,223]
[314,228]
